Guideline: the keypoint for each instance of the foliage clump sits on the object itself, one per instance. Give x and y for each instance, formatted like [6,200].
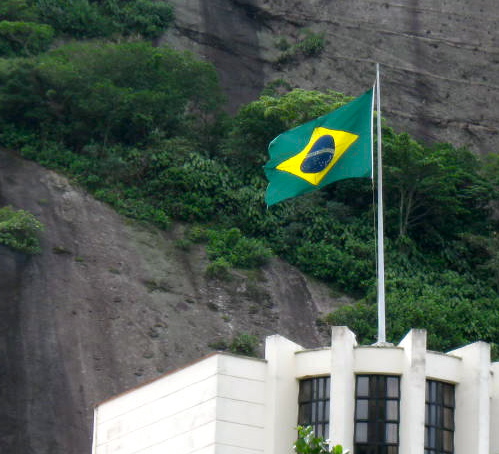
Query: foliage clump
[309,443]
[24,38]
[244,344]
[237,249]
[310,44]
[19,230]
[240,344]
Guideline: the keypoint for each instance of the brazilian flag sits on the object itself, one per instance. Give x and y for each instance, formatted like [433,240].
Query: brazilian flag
[333,147]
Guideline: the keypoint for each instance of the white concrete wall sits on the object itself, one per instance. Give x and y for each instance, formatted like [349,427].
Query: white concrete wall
[342,404]
[494,409]
[412,392]
[281,395]
[240,409]
[472,414]
[313,363]
[213,406]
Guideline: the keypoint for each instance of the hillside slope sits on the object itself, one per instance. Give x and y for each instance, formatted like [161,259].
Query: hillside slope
[439,59]
[110,304]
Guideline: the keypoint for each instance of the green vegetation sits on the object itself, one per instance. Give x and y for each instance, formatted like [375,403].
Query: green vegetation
[92,19]
[19,230]
[244,344]
[309,44]
[241,344]
[237,249]
[308,443]
[24,38]
[142,127]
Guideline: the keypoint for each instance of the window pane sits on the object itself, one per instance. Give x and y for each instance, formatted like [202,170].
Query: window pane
[448,438]
[431,436]
[314,388]
[305,391]
[373,413]
[392,410]
[448,420]
[392,387]
[432,420]
[320,412]
[321,431]
[448,395]
[381,411]
[379,387]
[321,386]
[375,432]
[391,433]
[432,391]
[361,432]
[304,414]
[362,386]
[362,407]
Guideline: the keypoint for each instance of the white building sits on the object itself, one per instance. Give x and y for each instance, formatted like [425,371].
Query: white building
[372,400]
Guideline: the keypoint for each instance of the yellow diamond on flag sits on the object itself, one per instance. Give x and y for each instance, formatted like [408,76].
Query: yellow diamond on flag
[322,152]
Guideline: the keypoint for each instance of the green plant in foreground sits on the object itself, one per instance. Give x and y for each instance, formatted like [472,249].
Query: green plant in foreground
[308,443]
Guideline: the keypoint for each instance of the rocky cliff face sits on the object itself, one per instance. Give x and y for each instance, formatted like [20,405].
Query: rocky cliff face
[110,304]
[439,58]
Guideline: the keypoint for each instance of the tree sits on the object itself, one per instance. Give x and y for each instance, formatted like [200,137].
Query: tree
[437,189]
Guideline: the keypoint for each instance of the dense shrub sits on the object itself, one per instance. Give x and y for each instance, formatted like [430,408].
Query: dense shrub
[237,249]
[244,344]
[19,230]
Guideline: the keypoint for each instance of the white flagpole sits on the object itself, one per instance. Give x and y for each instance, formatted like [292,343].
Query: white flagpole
[381,253]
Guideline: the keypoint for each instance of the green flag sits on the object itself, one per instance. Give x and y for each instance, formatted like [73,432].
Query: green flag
[333,147]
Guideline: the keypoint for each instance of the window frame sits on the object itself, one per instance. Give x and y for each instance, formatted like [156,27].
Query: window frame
[440,415]
[313,404]
[377,414]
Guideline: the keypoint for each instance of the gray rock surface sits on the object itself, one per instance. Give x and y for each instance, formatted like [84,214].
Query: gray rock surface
[110,304]
[439,58]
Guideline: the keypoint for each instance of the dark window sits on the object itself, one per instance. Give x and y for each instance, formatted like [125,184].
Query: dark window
[377,408]
[313,405]
[439,418]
